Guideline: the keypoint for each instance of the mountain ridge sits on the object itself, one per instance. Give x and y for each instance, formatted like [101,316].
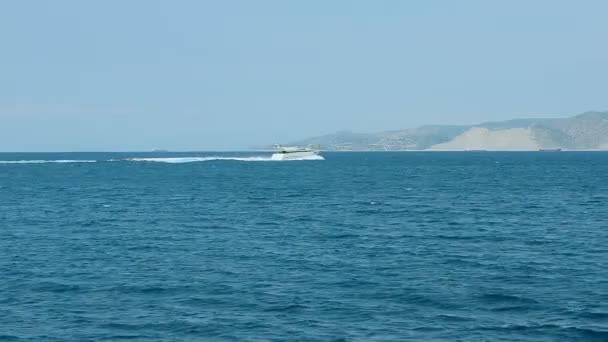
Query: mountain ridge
[585,131]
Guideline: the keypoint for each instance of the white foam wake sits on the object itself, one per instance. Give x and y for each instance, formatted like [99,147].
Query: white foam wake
[165,160]
[44,161]
[204,159]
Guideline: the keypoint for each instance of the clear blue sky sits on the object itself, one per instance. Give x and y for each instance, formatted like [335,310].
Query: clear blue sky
[190,75]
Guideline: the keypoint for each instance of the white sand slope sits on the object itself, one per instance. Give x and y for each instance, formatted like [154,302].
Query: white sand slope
[478,138]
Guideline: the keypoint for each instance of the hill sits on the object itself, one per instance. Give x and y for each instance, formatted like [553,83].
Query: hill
[587,131]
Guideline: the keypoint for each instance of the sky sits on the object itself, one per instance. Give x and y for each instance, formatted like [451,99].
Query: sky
[117,75]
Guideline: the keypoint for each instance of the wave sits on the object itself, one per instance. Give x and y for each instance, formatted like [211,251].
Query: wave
[45,161]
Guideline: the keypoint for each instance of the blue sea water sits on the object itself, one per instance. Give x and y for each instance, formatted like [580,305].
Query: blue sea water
[358,247]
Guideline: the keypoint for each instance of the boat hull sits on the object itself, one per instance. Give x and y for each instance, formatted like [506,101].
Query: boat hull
[303,155]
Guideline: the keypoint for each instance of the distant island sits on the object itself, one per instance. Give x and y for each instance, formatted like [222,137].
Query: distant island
[587,131]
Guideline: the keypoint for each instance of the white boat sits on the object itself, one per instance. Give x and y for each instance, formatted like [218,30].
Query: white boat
[295,153]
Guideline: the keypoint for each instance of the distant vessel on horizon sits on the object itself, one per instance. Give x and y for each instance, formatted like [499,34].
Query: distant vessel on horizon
[159,150]
[550,150]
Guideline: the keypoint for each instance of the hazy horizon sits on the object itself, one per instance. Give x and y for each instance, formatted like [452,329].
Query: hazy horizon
[190,75]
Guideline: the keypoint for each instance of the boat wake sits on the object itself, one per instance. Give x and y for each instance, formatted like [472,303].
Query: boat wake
[165,160]
[204,159]
[44,161]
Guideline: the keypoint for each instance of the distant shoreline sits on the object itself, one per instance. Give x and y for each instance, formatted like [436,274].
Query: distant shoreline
[583,132]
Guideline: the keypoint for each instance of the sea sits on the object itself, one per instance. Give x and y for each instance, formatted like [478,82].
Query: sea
[383,246]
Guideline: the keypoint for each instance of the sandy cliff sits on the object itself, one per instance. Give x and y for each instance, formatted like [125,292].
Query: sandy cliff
[479,138]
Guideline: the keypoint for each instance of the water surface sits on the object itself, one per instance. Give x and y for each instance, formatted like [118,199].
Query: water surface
[358,247]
